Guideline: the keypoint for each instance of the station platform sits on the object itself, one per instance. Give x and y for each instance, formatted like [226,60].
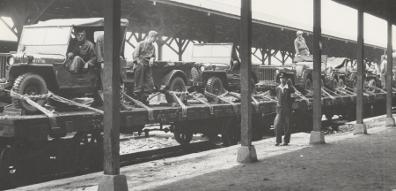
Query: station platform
[345,162]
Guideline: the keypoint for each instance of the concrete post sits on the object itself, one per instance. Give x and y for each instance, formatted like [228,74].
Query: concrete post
[247,152]
[360,127]
[390,121]
[317,136]
[112,180]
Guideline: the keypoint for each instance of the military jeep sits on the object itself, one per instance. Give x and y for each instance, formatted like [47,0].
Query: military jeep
[304,74]
[167,76]
[39,64]
[219,69]
[344,70]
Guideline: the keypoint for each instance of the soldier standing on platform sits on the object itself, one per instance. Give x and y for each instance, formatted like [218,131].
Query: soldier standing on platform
[144,56]
[283,110]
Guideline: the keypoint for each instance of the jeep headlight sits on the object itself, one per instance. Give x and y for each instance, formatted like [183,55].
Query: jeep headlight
[202,68]
[11,60]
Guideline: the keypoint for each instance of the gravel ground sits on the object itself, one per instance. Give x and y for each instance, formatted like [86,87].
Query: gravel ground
[132,143]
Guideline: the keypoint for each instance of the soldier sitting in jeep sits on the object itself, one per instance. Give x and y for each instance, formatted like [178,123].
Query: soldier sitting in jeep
[82,53]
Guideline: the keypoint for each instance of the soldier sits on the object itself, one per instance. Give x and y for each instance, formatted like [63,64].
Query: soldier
[302,50]
[283,110]
[82,53]
[144,56]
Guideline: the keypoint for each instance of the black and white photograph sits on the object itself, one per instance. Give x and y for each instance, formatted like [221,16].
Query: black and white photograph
[211,95]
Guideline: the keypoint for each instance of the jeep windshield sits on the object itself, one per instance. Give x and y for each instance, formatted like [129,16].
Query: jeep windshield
[214,54]
[45,40]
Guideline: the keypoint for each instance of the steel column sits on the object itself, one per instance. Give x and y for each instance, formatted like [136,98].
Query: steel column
[359,127]
[246,152]
[112,180]
[316,134]
[390,122]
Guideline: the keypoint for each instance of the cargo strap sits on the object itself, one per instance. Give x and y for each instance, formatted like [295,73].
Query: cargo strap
[266,95]
[204,102]
[349,90]
[71,102]
[299,94]
[179,102]
[150,111]
[50,114]
[221,98]
[254,100]
[326,91]
[255,104]
[380,89]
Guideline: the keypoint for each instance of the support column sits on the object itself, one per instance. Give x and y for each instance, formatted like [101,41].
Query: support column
[112,180]
[269,56]
[317,136]
[247,152]
[390,121]
[360,127]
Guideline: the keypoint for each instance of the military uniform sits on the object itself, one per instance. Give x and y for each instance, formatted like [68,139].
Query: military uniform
[283,112]
[143,77]
[84,53]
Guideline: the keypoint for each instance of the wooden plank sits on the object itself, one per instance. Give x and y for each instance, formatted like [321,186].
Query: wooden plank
[360,69]
[245,50]
[317,109]
[112,87]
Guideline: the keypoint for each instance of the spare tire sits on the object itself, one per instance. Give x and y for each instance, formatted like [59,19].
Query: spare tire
[29,84]
[215,86]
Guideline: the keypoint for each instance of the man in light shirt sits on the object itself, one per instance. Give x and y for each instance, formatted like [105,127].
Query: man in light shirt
[283,110]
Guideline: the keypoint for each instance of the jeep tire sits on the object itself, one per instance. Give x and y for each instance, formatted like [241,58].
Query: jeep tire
[215,86]
[371,85]
[177,84]
[29,84]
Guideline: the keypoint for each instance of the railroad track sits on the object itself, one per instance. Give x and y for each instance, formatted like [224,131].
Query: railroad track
[125,160]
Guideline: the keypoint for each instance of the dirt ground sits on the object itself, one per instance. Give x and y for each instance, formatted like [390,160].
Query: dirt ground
[345,162]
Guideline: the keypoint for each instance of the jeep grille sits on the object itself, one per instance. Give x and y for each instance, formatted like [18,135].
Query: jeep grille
[3,65]
[266,74]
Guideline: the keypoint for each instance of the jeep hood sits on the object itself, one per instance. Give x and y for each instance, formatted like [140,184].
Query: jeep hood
[21,58]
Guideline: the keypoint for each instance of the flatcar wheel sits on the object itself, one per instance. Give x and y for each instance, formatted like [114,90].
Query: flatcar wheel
[182,135]
[230,132]
[8,167]
[89,150]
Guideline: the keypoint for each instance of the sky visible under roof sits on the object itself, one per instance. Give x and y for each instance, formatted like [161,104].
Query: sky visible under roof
[337,20]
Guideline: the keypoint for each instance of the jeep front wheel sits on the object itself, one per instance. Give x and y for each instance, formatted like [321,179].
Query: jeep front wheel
[29,84]
[215,86]
[177,84]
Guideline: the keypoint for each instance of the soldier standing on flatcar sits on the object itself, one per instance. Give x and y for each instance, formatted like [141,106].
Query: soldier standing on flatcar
[144,56]
[283,110]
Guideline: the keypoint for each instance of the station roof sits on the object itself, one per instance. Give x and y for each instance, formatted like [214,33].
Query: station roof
[77,22]
[204,21]
[385,9]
